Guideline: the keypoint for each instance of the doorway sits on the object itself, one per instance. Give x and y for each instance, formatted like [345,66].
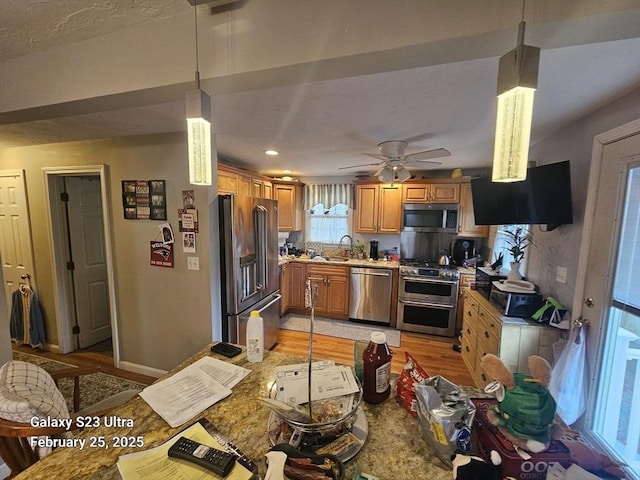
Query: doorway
[78,207]
[608,301]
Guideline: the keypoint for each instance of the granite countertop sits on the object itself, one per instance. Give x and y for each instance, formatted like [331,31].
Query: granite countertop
[352,262]
[394,448]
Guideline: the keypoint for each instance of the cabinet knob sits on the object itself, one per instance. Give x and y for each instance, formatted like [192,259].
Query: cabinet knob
[486,334]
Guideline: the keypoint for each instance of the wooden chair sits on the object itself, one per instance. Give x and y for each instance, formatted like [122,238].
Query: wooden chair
[15,448]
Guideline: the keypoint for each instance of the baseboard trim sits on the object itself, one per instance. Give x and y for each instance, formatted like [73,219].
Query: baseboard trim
[4,470]
[142,369]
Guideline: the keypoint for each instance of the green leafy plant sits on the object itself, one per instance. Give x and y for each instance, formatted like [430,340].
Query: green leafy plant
[358,248]
[517,242]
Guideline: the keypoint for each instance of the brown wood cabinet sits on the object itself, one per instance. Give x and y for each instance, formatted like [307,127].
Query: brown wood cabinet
[285,288]
[466,221]
[289,197]
[297,277]
[378,208]
[447,191]
[232,180]
[332,283]
[514,340]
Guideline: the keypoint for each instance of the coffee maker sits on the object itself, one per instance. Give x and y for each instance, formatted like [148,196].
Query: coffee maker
[373,249]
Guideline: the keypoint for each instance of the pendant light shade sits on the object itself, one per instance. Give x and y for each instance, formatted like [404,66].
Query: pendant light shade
[517,82]
[199,137]
[198,106]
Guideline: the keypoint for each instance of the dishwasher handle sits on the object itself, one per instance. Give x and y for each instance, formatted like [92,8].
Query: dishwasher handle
[370,272]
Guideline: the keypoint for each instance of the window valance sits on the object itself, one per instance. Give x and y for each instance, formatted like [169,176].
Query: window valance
[329,195]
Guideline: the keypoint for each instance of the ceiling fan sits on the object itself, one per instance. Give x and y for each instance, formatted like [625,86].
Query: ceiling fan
[394,160]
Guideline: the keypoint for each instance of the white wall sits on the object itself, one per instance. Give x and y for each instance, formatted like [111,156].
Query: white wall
[561,247]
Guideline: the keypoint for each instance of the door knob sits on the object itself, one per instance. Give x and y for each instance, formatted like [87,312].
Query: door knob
[589,302]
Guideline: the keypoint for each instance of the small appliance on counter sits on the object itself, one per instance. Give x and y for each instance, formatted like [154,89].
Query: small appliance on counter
[463,249]
[484,278]
[515,298]
[373,249]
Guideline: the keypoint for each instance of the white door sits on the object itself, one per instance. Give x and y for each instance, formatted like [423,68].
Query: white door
[611,300]
[16,250]
[88,254]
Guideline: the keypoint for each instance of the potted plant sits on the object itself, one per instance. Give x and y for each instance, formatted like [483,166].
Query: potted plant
[517,241]
[358,250]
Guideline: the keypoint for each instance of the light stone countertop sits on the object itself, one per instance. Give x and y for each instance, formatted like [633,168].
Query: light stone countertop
[394,448]
[352,262]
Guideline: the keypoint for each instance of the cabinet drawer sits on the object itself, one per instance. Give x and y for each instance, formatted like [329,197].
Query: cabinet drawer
[491,323]
[468,346]
[488,339]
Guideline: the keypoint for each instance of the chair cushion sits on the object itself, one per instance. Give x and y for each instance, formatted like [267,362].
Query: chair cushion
[28,391]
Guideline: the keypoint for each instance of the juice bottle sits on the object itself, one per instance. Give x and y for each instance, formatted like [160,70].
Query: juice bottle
[376,365]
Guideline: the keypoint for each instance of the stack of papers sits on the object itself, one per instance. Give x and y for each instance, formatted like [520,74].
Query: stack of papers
[327,381]
[155,464]
[193,389]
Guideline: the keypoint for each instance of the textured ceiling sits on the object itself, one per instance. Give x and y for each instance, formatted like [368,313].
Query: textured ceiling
[324,114]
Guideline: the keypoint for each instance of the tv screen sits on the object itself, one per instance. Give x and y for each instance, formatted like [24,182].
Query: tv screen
[544,197]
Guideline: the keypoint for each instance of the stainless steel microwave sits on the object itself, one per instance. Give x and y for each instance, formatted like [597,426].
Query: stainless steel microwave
[512,304]
[430,217]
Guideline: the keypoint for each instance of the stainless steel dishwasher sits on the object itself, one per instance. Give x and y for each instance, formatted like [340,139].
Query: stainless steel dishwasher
[370,296]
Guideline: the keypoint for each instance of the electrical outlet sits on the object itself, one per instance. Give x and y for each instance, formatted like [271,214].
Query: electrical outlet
[561,275]
[193,263]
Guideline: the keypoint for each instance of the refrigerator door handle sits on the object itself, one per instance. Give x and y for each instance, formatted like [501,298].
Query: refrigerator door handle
[275,299]
[261,243]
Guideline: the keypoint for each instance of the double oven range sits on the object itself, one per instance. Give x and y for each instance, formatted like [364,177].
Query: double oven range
[427,297]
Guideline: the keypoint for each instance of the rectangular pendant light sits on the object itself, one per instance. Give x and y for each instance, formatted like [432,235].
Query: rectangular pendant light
[517,82]
[199,137]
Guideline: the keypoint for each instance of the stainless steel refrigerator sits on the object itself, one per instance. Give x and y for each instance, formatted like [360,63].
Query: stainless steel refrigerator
[249,271]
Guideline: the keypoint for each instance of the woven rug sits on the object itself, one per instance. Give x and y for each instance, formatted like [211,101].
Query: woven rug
[93,387]
[338,328]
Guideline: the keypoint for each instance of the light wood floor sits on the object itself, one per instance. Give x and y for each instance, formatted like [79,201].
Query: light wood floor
[90,357]
[434,354]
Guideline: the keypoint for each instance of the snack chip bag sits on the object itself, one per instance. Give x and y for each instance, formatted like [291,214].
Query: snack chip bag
[412,374]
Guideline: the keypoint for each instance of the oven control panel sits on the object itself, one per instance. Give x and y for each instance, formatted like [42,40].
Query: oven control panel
[449,273]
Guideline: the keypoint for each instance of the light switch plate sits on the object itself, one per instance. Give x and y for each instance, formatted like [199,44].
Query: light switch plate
[561,275]
[193,263]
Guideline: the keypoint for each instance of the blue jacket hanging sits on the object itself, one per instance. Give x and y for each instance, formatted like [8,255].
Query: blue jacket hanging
[26,322]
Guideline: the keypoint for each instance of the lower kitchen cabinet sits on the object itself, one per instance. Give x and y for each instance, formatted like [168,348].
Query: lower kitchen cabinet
[285,288]
[297,278]
[485,330]
[332,283]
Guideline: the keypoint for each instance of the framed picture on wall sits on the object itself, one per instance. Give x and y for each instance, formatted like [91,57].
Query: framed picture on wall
[144,199]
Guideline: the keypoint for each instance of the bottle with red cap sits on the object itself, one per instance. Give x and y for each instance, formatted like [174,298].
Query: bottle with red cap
[376,366]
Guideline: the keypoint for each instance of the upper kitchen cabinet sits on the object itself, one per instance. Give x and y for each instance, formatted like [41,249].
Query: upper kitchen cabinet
[289,197]
[378,208]
[232,180]
[466,220]
[445,191]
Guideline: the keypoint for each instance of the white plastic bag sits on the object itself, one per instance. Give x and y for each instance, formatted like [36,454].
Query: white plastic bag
[568,384]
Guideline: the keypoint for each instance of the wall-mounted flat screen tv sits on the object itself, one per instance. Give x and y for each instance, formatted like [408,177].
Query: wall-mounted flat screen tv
[544,197]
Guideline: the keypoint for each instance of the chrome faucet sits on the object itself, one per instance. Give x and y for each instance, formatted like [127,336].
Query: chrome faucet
[350,243]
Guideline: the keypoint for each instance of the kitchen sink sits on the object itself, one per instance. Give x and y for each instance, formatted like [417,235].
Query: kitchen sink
[337,259]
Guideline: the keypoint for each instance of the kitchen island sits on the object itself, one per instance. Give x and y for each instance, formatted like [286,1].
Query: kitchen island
[393,450]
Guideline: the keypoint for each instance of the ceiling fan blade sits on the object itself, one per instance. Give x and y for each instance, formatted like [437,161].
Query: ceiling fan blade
[421,164]
[363,165]
[428,154]
[375,155]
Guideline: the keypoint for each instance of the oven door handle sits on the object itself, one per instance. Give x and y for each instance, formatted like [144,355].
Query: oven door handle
[428,280]
[426,304]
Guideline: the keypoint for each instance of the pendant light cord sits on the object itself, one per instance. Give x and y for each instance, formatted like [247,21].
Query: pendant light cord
[195,16]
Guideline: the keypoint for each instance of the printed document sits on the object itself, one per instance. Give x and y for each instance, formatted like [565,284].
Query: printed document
[155,464]
[192,390]
[327,381]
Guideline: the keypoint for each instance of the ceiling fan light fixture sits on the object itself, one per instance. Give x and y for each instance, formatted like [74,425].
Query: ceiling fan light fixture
[387,175]
[402,174]
[517,82]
